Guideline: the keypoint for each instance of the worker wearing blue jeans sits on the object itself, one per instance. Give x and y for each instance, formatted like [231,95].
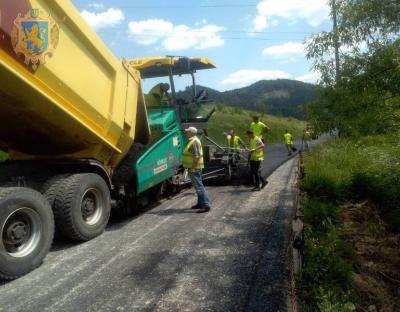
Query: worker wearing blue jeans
[193,161]
[202,197]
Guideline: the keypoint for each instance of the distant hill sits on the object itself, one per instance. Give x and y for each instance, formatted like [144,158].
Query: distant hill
[227,118]
[282,97]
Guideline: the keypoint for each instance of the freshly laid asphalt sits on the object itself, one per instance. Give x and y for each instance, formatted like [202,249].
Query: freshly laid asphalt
[173,259]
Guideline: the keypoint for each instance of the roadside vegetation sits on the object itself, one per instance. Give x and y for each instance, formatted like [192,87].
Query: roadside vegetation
[226,118]
[3,156]
[351,211]
[351,184]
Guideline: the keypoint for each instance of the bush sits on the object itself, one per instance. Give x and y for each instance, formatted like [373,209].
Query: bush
[319,214]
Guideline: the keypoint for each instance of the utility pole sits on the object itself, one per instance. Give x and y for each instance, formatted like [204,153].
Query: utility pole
[335,38]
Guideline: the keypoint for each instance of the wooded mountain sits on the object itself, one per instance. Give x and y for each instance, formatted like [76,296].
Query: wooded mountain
[281,97]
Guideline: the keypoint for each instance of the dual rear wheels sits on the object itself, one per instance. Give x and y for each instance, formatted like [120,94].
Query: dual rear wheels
[78,205]
[81,205]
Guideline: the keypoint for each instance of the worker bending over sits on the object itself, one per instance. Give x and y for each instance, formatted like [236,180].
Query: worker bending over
[256,159]
[193,161]
[259,128]
[288,142]
[157,94]
[234,141]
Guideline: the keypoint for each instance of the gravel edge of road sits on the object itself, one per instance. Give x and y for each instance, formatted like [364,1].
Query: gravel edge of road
[281,225]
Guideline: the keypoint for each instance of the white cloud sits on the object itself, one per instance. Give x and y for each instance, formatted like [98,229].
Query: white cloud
[245,77]
[109,18]
[313,12]
[202,22]
[288,49]
[312,77]
[150,31]
[361,46]
[96,5]
[174,38]
[260,23]
[274,23]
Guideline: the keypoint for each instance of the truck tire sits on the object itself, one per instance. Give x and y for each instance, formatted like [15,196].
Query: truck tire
[82,206]
[126,169]
[51,187]
[26,228]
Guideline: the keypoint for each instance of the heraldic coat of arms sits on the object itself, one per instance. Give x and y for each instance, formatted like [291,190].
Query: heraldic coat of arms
[35,36]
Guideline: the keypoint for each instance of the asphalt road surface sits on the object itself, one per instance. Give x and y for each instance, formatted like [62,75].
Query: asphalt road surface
[173,259]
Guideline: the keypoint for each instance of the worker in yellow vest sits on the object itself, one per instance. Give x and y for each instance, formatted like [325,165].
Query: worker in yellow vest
[256,159]
[306,138]
[156,94]
[288,142]
[259,128]
[193,161]
[234,141]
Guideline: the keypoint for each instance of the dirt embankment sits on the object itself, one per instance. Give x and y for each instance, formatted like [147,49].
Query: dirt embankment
[377,258]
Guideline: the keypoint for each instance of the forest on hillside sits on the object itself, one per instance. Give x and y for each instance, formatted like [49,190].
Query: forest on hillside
[281,97]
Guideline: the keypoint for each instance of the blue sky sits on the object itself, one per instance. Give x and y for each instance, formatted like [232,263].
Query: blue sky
[249,40]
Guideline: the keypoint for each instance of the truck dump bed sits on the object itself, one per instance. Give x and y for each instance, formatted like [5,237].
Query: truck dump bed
[63,94]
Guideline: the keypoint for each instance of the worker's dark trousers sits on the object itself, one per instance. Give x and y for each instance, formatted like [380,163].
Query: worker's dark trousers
[255,168]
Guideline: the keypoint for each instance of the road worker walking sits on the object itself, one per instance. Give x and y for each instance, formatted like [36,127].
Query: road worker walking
[256,159]
[259,128]
[306,138]
[193,161]
[288,138]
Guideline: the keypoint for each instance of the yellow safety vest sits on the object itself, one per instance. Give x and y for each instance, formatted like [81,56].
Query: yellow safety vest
[234,144]
[288,138]
[257,128]
[258,154]
[188,156]
[151,99]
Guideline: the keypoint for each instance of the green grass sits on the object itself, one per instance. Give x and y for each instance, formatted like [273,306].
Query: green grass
[3,156]
[348,170]
[227,118]
[338,172]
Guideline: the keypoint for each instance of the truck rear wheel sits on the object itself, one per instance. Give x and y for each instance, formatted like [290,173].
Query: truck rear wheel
[26,228]
[82,206]
[126,169]
[51,187]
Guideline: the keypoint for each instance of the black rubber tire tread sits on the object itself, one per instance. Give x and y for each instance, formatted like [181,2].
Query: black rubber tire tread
[52,186]
[21,266]
[67,210]
[126,169]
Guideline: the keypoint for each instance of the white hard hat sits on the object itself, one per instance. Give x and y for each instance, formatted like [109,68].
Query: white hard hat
[192,130]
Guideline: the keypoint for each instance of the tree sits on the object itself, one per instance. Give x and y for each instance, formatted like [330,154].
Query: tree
[364,99]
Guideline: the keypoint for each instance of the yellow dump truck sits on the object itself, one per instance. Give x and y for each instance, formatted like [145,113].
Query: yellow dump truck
[76,130]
